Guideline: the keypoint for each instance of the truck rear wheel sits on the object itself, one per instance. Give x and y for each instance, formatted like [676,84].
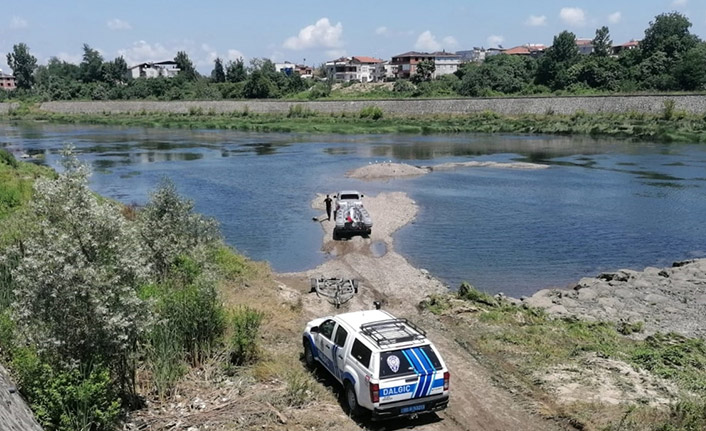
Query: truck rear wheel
[354,409]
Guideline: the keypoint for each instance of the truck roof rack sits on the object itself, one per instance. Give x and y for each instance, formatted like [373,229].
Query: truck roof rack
[392,331]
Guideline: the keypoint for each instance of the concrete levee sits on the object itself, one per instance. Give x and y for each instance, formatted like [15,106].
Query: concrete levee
[409,107]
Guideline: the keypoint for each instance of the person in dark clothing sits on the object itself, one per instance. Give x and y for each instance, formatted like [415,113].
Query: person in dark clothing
[328,201]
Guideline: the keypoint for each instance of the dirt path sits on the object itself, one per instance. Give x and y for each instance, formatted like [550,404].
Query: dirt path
[477,403]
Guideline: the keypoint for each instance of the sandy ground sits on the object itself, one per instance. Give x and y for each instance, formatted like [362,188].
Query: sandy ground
[477,403]
[386,170]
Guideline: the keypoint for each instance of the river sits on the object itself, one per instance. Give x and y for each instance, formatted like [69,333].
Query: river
[601,205]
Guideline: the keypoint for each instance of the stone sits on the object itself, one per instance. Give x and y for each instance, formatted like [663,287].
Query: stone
[587,294]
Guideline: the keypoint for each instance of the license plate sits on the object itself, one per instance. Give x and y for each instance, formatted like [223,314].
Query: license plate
[412,409]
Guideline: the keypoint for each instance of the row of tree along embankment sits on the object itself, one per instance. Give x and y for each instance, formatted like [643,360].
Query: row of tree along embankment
[648,104]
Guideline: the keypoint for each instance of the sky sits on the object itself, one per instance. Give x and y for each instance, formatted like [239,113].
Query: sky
[312,32]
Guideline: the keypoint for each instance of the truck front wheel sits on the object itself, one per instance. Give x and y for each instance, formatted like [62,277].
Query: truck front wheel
[309,355]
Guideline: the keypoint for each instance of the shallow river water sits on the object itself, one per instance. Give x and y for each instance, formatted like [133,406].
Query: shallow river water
[601,205]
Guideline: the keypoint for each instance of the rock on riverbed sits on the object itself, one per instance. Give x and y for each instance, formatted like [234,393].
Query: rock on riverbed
[664,299]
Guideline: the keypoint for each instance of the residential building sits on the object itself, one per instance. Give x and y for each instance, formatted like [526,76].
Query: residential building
[529,50]
[165,69]
[304,71]
[445,63]
[494,51]
[585,46]
[627,46]
[289,68]
[390,70]
[7,82]
[406,64]
[476,55]
[357,68]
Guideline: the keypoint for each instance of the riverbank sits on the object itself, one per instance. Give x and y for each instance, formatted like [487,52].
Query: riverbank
[658,118]
[666,300]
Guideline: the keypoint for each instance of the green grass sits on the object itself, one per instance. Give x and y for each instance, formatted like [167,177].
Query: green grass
[668,126]
[16,181]
[526,340]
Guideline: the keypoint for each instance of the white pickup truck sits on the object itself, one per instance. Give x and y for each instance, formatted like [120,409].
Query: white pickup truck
[386,365]
[350,215]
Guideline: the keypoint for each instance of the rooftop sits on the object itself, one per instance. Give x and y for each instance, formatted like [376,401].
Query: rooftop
[363,59]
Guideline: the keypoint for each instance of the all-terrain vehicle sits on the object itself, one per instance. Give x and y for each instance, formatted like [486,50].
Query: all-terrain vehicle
[386,365]
[350,215]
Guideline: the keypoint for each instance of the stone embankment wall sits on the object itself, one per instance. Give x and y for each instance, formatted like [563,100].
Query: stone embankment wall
[510,106]
[15,415]
[5,107]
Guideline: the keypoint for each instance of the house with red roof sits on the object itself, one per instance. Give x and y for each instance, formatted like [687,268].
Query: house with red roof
[406,64]
[529,50]
[357,68]
[627,46]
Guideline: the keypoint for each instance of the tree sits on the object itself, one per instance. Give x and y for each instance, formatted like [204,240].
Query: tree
[599,72]
[259,86]
[218,74]
[115,71]
[668,33]
[170,229]
[554,65]
[23,65]
[602,43]
[92,65]
[690,72]
[186,67]
[425,70]
[235,71]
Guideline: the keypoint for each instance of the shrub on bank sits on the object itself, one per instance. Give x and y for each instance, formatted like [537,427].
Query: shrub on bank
[74,280]
[244,325]
[371,112]
[67,399]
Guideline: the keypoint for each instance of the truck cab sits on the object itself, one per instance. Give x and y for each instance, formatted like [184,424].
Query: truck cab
[386,365]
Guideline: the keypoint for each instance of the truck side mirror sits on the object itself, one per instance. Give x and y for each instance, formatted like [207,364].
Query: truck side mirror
[314,329]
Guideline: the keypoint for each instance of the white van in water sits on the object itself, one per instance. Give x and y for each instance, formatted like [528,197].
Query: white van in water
[386,365]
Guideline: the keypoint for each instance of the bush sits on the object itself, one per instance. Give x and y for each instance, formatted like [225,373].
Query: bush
[319,91]
[372,112]
[229,264]
[7,334]
[165,357]
[194,315]
[470,293]
[75,282]
[668,109]
[300,111]
[169,228]
[403,86]
[242,342]
[7,158]
[300,388]
[67,400]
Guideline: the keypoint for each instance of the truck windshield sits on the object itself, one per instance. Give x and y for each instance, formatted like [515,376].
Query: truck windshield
[405,362]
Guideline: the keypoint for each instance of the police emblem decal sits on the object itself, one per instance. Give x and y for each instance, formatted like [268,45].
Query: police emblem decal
[394,363]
